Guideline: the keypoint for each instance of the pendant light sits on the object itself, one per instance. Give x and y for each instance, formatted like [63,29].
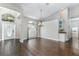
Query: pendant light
[40,22]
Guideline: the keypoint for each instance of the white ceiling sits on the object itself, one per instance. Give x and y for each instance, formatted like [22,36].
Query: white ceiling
[4,10]
[32,10]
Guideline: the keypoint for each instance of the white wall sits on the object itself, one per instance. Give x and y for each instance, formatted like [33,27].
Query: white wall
[18,28]
[74,14]
[65,16]
[74,11]
[75,23]
[0,29]
[12,6]
[23,29]
[50,30]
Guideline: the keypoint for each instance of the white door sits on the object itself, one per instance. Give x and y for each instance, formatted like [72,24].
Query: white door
[8,30]
[32,31]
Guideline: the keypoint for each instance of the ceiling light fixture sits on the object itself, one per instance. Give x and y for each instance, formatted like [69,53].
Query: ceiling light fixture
[30,22]
[40,23]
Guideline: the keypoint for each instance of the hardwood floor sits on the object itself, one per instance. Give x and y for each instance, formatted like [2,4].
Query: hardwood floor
[37,47]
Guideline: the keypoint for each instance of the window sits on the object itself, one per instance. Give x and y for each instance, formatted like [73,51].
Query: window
[8,17]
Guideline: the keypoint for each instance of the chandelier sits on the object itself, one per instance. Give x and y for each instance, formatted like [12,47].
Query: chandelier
[40,22]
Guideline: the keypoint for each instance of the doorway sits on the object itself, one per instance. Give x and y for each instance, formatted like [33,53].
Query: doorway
[8,30]
[74,27]
[31,31]
[8,21]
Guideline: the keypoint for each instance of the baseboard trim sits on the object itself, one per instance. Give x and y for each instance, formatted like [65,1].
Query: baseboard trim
[10,39]
[50,39]
[58,40]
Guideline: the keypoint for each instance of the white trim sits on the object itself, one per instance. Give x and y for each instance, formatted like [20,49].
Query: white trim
[21,41]
[9,39]
[74,19]
[58,40]
[51,39]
